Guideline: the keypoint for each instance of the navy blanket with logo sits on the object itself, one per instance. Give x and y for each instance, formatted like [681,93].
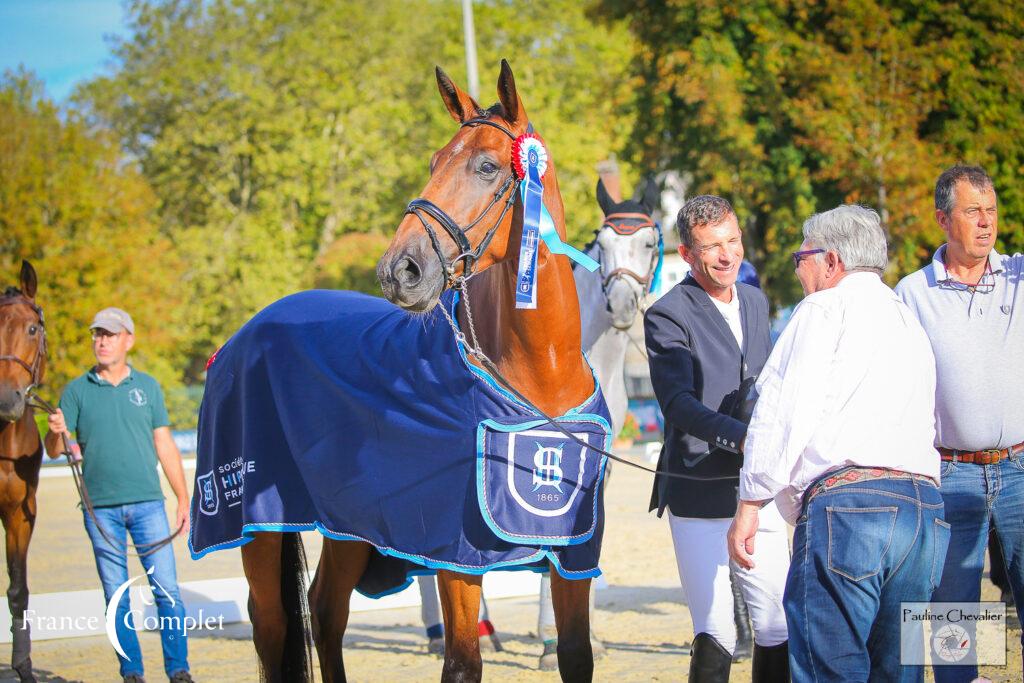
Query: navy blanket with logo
[341,412]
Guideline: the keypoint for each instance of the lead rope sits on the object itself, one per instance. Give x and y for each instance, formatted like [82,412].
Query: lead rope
[36,401]
[476,352]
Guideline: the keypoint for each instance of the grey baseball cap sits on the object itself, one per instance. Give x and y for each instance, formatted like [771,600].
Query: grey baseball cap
[113,320]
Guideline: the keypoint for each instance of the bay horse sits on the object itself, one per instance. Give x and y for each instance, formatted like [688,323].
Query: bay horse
[23,352]
[465,233]
[628,245]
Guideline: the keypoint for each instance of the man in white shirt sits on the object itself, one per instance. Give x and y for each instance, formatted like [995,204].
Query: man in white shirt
[842,439]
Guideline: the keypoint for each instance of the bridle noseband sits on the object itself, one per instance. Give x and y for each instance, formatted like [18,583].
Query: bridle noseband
[37,362]
[422,208]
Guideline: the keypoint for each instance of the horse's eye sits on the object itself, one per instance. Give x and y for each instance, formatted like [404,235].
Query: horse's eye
[488,168]
[32,330]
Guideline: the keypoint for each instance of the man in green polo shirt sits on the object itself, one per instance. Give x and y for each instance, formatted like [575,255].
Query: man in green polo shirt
[118,416]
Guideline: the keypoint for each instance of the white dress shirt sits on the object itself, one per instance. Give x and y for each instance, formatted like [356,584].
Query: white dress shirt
[851,381]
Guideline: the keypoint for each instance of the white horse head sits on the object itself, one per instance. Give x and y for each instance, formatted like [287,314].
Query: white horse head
[628,245]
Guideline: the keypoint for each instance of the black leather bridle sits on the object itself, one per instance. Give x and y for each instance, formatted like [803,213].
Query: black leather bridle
[34,367]
[423,208]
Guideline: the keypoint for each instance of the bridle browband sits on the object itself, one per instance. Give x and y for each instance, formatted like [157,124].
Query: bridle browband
[422,208]
[37,362]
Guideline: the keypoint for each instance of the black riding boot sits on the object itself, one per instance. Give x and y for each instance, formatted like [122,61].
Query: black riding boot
[709,661]
[744,636]
[771,664]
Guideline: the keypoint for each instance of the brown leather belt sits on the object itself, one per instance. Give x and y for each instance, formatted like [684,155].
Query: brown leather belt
[989,456]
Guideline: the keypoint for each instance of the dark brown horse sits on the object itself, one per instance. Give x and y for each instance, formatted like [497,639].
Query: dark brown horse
[22,366]
[538,351]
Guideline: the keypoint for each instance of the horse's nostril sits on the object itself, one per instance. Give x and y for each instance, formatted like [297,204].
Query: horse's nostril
[407,272]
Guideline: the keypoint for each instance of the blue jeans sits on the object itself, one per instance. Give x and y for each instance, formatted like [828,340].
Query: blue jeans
[860,550]
[977,496]
[147,523]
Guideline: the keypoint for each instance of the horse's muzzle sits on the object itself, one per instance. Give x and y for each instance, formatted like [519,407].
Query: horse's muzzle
[12,403]
[622,304]
[411,280]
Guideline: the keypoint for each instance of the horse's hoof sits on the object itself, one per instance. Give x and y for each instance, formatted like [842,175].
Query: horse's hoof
[597,647]
[436,647]
[549,659]
[24,671]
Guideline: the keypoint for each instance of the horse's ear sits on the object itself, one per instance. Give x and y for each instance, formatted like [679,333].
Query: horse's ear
[604,200]
[460,105]
[508,96]
[29,283]
[648,194]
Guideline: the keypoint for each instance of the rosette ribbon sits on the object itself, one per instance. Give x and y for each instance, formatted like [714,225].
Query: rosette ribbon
[530,160]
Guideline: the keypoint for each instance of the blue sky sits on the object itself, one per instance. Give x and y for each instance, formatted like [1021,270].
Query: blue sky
[62,41]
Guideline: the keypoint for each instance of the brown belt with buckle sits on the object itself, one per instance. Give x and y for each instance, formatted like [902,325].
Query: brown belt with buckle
[989,456]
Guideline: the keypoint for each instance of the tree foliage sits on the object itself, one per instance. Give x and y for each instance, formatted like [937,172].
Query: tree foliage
[87,223]
[272,129]
[792,106]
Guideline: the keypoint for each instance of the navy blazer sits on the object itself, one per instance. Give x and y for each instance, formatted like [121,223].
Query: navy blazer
[696,370]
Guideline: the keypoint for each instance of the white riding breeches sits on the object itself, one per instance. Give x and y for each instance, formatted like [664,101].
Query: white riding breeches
[703,561]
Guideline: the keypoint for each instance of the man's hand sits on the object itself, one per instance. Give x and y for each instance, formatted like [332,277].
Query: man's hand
[181,519]
[740,539]
[55,421]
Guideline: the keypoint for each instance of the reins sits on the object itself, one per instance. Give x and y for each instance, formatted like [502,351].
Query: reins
[473,349]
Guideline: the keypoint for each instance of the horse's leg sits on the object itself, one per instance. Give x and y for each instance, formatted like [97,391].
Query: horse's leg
[571,600]
[276,592]
[18,524]
[460,602]
[342,564]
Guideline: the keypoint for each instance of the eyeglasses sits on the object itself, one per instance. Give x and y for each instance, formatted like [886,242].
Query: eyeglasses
[799,255]
[986,284]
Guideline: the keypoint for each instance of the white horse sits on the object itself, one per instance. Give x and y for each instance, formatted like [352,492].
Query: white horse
[628,246]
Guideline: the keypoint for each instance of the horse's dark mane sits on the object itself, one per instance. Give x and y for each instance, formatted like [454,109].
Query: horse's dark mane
[12,291]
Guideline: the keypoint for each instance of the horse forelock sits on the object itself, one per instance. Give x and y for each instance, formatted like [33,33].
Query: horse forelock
[11,292]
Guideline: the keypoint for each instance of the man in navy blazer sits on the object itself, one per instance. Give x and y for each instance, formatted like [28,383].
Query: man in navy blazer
[704,337]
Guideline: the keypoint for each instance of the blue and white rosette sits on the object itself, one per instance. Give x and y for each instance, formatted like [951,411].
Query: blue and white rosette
[530,161]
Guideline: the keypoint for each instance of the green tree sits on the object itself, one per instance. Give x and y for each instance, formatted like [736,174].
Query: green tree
[86,221]
[270,130]
[792,106]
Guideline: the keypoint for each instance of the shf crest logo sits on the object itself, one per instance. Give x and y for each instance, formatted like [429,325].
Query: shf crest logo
[208,499]
[137,397]
[547,470]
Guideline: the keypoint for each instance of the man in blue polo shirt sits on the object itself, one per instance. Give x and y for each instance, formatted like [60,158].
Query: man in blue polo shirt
[970,301]
[121,424]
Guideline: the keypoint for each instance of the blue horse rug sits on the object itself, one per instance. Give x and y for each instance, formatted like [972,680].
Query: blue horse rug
[341,412]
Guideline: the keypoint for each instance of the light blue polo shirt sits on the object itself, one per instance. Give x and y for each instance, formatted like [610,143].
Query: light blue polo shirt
[978,340]
[114,425]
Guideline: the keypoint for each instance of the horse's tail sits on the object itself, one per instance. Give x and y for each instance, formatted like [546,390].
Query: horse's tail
[297,659]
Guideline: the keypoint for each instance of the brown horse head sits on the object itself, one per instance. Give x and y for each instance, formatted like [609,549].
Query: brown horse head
[22,345]
[470,193]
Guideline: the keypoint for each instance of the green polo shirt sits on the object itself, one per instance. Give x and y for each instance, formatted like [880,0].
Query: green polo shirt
[114,426]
